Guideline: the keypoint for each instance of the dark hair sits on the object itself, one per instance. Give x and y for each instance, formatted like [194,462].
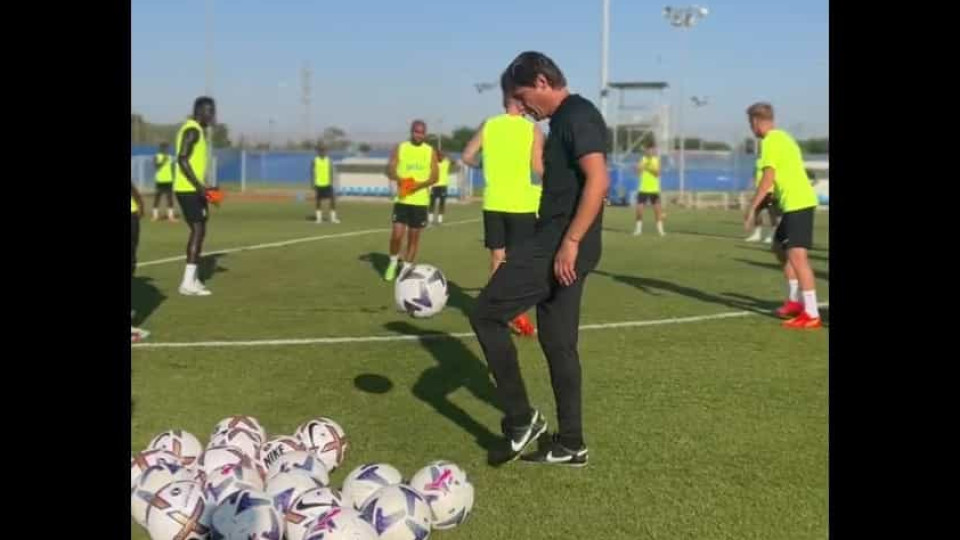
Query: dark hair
[418,121]
[761,110]
[524,69]
[201,101]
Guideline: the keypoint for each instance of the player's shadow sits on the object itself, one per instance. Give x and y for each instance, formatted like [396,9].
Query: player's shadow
[378,261]
[457,367]
[145,298]
[210,266]
[654,286]
[820,274]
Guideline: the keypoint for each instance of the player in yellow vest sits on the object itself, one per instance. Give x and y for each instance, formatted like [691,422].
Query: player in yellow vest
[417,160]
[163,181]
[512,150]
[769,204]
[136,214]
[782,165]
[648,169]
[321,170]
[439,191]
[190,187]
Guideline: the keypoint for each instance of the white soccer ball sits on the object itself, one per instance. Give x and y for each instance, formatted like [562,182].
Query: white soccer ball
[306,507]
[300,461]
[421,291]
[326,439]
[363,481]
[231,423]
[179,511]
[182,443]
[216,457]
[448,492]
[276,447]
[150,458]
[247,514]
[339,524]
[223,482]
[284,488]
[247,441]
[398,512]
[149,483]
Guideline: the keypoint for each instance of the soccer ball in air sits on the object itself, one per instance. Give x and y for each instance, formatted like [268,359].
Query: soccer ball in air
[398,512]
[447,491]
[421,291]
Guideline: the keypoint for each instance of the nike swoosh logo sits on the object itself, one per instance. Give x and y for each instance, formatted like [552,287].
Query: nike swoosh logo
[517,446]
[551,459]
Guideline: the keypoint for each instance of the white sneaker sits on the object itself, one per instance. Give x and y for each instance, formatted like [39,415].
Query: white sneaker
[637,233]
[334,220]
[194,289]
[769,240]
[755,237]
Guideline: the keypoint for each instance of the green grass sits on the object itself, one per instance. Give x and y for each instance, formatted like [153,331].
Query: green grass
[709,429]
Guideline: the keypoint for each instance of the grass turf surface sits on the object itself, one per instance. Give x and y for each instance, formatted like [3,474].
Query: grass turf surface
[706,429]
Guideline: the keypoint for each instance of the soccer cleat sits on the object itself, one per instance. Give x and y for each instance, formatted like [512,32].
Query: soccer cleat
[790,309]
[769,240]
[755,237]
[521,325]
[391,272]
[517,438]
[554,453]
[334,220]
[803,322]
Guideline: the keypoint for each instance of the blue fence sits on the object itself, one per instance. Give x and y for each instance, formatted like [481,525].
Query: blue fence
[703,172]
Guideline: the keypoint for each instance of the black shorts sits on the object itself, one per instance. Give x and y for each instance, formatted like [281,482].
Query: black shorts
[166,187]
[410,215]
[507,229]
[438,192]
[193,207]
[324,192]
[796,229]
[643,198]
[134,241]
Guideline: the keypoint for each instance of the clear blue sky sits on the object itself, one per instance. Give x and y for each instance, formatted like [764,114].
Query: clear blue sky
[379,63]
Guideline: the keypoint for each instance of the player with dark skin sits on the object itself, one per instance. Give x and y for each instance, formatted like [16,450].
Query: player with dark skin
[205,113]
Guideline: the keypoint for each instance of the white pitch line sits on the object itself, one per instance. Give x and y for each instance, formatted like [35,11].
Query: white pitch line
[291,242]
[431,336]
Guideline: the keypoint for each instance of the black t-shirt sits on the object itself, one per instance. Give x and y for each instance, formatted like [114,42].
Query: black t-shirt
[576,129]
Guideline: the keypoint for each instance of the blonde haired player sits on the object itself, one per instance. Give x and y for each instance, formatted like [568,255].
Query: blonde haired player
[782,165]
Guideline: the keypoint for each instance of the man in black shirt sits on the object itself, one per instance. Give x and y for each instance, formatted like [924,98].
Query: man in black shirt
[548,270]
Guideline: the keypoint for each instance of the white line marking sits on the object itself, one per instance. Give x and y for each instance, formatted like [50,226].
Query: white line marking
[432,336]
[291,242]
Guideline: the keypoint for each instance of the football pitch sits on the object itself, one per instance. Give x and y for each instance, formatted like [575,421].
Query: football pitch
[704,418]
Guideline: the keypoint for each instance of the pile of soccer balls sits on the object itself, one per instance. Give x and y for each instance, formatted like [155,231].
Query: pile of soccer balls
[244,485]
[421,290]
